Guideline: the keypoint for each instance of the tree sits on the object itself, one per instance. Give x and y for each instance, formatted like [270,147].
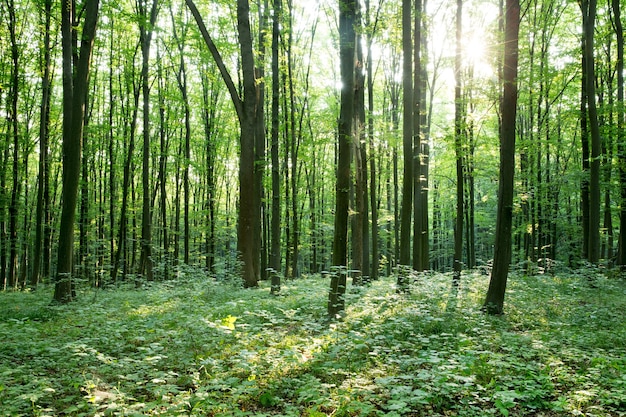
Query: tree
[621,123]
[407,144]
[275,225]
[246,112]
[146,28]
[589,16]
[43,194]
[347,37]
[13,117]
[459,128]
[494,301]
[75,82]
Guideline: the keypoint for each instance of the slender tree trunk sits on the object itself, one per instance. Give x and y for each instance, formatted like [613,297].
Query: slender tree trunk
[407,145]
[347,37]
[14,134]
[210,103]
[259,146]
[122,244]
[621,122]
[275,219]
[42,216]
[146,28]
[360,166]
[74,95]
[163,151]
[494,301]
[459,129]
[370,134]
[418,226]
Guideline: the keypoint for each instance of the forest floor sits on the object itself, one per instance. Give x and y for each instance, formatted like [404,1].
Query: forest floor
[196,347]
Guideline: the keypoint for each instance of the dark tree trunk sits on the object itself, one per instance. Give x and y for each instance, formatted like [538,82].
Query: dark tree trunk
[589,18]
[146,28]
[42,214]
[275,219]
[246,112]
[459,129]
[14,134]
[163,148]
[621,122]
[494,301]
[347,37]
[418,110]
[74,94]
[259,147]
[407,145]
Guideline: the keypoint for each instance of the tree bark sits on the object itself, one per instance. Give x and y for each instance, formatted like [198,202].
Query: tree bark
[459,129]
[407,145]
[14,134]
[146,28]
[275,220]
[494,301]
[589,16]
[74,96]
[347,37]
[42,214]
[246,113]
[621,122]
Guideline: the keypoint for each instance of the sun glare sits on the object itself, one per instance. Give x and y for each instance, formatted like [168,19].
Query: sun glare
[476,56]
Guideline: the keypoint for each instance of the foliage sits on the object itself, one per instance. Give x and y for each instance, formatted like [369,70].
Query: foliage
[198,347]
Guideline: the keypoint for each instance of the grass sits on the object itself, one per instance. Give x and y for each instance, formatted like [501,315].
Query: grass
[199,348]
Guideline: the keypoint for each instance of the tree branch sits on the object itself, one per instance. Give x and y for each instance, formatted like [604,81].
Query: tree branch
[230,85]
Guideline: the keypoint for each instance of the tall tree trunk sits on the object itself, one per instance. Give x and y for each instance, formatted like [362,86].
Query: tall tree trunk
[248,222]
[370,134]
[122,241]
[418,226]
[459,129]
[259,146]
[621,122]
[246,112]
[360,165]
[146,28]
[211,94]
[181,77]
[14,134]
[275,219]
[347,37]
[494,301]
[42,215]
[163,148]
[407,145]
[74,95]
[589,18]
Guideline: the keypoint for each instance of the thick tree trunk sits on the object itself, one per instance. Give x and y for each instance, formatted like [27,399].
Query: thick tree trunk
[347,14]
[589,18]
[74,95]
[494,301]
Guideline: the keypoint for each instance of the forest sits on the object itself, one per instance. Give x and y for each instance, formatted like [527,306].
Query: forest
[312,208]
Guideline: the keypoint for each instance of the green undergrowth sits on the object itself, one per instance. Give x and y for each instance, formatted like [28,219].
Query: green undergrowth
[200,348]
